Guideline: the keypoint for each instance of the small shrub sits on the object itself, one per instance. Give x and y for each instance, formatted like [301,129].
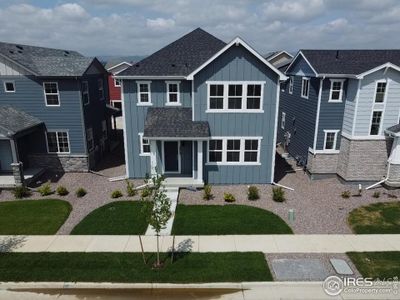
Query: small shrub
[228,197]
[207,194]
[45,189]
[62,191]
[81,192]
[346,194]
[392,196]
[116,194]
[130,189]
[21,192]
[252,193]
[278,194]
[145,192]
[376,194]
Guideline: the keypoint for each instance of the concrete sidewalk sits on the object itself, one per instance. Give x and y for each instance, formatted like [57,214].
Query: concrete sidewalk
[212,243]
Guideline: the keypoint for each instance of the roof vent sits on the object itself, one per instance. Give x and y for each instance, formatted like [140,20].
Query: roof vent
[137,65]
[19,47]
[66,53]
[19,51]
[337,54]
[173,65]
[11,51]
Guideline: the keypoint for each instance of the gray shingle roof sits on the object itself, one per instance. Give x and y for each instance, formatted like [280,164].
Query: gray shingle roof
[179,58]
[46,61]
[394,128]
[173,122]
[352,62]
[13,121]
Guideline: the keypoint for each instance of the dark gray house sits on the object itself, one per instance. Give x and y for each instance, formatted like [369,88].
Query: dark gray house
[337,110]
[201,110]
[53,110]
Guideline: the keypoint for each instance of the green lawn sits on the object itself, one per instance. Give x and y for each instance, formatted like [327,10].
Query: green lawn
[377,264]
[32,217]
[376,218]
[117,218]
[129,267]
[227,219]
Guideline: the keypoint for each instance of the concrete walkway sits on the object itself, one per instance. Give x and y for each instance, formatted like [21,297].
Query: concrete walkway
[172,193]
[223,243]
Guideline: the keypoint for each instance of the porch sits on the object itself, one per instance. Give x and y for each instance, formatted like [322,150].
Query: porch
[7,180]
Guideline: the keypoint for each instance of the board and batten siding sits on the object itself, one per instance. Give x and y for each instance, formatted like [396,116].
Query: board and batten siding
[390,107]
[135,117]
[238,64]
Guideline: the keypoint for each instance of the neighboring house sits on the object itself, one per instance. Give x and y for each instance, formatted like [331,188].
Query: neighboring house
[278,58]
[114,85]
[203,110]
[337,110]
[53,111]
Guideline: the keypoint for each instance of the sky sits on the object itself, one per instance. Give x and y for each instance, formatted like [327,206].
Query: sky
[140,27]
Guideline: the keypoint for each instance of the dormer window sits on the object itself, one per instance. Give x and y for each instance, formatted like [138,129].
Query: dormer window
[144,93]
[173,97]
[336,92]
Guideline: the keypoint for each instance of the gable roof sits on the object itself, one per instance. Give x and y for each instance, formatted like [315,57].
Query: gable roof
[179,58]
[43,61]
[13,121]
[272,55]
[116,63]
[356,63]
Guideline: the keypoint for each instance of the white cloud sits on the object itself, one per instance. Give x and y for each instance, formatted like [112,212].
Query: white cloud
[160,23]
[293,11]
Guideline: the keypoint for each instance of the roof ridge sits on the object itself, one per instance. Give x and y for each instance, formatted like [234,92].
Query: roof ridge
[40,47]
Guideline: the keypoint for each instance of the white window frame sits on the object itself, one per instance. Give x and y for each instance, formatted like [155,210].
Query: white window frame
[85,92]
[178,92]
[45,94]
[104,129]
[100,88]
[5,86]
[139,103]
[244,97]
[341,81]
[141,152]
[90,133]
[291,84]
[326,131]
[56,131]
[115,82]
[376,89]
[241,161]
[304,79]
[283,120]
[380,123]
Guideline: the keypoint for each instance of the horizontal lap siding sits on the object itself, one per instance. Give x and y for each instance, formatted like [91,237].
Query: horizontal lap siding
[349,110]
[237,64]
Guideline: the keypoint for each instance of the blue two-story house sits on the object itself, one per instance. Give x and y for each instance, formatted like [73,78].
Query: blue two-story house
[338,113]
[53,111]
[203,111]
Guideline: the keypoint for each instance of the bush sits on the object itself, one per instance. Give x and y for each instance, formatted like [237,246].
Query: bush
[346,194]
[376,194]
[228,197]
[252,193]
[45,189]
[116,194]
[130,189]
[207,194]
[21,192]
[146,192]
[81,192]
[278,194]
[62,190]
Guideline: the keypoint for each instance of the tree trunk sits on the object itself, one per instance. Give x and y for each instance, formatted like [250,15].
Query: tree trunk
[158,252]
[141,246]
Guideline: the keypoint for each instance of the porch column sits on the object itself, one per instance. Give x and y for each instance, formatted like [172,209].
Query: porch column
[153,157]
[200,160]
[14,151]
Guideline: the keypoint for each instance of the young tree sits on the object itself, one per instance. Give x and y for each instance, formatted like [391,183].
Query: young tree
[158,207]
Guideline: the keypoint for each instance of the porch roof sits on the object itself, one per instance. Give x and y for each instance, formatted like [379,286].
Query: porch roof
[14,121]
[173,122]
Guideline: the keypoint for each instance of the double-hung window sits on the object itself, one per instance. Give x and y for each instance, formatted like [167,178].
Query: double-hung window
[57,141]
[234,150]
[380,92]
[253,96]
[251,150]
[216,96]
[330,139]
[144,145]
[305,87]
[144,92]
[101,88]
[376,122]
[51,93]
[215,150]
[235,93]
[291,82]
[336,92]
[173,93]
[85,92]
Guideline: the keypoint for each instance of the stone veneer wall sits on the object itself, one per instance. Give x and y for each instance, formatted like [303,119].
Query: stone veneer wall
[60,163]
[322,163]
[363,159]
[393,176]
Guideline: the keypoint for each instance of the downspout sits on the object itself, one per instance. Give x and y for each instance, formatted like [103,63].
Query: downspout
[318,111]
[283,186]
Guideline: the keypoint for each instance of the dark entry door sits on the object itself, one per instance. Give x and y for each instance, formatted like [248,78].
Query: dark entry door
[171,157]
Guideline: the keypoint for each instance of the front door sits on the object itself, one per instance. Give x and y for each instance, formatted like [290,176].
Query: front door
[171,157]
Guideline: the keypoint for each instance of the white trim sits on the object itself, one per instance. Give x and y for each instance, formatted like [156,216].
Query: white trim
[316,128]
[312,151]
[178,84]
[58,144]
[9,81]
[115,82]
[121,63]
[238,41]
[304,57]
[192,100]
[200,160]
[244,96]
[326,131]
[356,107]
[277,54]
[363,137]
[163,157]
[87,92]
[340,100]
[242,150]
[138,92]
[283,120]
[141,152]
[124,131]
[386,65]
[152,138]
[58,93]
[303,79]
[149,77]
[291,84]
[376,89]
[380,123]
[278,95]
